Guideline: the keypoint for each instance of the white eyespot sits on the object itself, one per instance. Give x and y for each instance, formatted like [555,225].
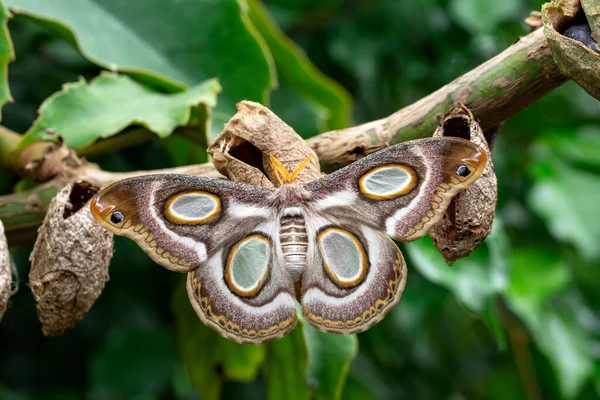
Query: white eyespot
[387,182]
[344,257]
[193,208]
[247,265]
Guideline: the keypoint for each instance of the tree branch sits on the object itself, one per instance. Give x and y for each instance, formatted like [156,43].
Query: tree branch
[494,91]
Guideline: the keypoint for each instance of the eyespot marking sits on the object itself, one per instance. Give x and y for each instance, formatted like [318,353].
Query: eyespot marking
[192,208]
[344,257]
[247,266]
[387,182]
[463,171]
[117,217]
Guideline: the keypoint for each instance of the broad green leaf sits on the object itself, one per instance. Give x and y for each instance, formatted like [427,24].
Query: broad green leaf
[210,358]
[297,111]
[333,102]
[285,367]
[483,16]
[475,279]
[6,56]
[566,198]
[536,278]
[308,361]
[567,346]
[329,357]
[168,43]
[578,147]
[85,112]
[150,357]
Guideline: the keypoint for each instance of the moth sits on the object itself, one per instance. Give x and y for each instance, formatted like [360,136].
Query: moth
[251,252]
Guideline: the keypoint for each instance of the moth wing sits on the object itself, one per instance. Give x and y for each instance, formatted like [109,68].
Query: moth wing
[404,189]
[221,233]
[242,291]
[356,276]
[178,220]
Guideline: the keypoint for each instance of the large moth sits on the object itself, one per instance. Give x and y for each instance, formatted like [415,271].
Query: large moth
[252,252]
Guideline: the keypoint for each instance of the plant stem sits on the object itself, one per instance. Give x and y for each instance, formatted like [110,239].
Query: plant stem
[8,144]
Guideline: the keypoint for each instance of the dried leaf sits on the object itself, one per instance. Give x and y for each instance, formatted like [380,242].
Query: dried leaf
[591,8]
[43,160]
[534,20]
[576,59]
[468,220]
[5,273]
[70,259]
[241,152]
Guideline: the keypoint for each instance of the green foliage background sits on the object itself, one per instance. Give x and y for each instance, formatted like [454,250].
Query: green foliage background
[519,319]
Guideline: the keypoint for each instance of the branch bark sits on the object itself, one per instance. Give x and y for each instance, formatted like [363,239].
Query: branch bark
[494,91]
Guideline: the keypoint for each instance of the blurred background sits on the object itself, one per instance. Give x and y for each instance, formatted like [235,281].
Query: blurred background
[519,319]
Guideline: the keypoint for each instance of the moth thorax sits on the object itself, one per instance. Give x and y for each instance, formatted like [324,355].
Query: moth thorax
[294,241]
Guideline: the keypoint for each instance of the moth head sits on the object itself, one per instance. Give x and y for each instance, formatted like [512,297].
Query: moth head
[111,207]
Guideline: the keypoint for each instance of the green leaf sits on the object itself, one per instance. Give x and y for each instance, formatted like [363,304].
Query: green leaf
[566,198]
[150,358]
[169,44]
[85,112]
[293,66]
[483,17]
[578,147]
[285,368]
[537,277]
[210,358]
[567,346]
[597,378]
[308,361]
[329,357]
[476,279]
[6,56]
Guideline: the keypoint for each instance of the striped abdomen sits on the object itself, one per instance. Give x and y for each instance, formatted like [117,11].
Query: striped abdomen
[294,241]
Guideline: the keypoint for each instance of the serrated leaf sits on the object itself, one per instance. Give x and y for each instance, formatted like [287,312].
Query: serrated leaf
[84,112]
[6,56]
[331,100]
[210,358]
[166,43]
